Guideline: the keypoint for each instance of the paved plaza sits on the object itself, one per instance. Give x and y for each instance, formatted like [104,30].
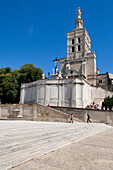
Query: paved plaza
[49,145]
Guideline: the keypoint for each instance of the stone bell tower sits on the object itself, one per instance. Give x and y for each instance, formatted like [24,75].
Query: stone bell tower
[80,60]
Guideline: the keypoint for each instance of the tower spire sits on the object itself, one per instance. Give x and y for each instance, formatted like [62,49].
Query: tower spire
[79,13]
[78,21]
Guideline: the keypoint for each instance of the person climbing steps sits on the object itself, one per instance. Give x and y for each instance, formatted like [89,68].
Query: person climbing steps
[88,118]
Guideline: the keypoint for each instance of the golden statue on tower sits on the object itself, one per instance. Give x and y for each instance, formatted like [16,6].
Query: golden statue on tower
[79,13]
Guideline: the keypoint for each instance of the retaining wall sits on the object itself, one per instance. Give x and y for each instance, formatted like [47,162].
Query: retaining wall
[31,112]
[97,116]
[42,113]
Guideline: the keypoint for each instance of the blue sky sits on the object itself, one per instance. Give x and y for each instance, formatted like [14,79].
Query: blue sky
[33,31]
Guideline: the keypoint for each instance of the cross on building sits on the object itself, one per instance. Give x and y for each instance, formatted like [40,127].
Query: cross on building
[56,63]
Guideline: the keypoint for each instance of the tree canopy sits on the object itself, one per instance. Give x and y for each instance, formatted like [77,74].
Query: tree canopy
[10,81]
[108,102]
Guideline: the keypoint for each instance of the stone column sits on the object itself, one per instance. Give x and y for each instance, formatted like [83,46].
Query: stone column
[22,94]
[37,93]
[44,102]
[60,95]
[84,44]
[84,68]
[74,95]
[47,94]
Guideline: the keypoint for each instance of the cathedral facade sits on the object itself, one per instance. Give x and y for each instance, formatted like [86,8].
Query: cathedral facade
[76,83]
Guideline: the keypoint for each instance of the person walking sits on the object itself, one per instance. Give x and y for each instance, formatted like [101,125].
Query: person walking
[71,118]
[88,118]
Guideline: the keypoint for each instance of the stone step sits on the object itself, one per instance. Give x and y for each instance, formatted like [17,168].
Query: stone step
[30,155]
[16,146]
[8,136]
[33,146]
[46,138]
[18,139]
[25,129]
[26,139]
[41,140]
[26,157]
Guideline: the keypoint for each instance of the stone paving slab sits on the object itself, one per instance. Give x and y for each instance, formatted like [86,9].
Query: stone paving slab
[93,153]
[21,141]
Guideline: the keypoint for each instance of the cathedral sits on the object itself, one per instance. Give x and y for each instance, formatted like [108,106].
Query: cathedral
[80,61]
[78,83]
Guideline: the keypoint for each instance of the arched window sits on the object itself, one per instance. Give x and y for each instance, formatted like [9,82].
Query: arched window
[79,40]
[100,81]
[73,49]
[72,41]
[78,47]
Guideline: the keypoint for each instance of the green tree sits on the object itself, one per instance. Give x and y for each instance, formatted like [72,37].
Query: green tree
[2,70]
[108,102]
[10,81]
[30,73]
[9,84]
[5,70]
[8,70]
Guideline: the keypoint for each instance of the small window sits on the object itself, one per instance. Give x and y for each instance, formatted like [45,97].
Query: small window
[73,49]
[100,81]
[78,47]
[72,41]
[79,40]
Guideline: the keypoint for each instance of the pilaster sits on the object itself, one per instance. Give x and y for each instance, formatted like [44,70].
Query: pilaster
[22,94]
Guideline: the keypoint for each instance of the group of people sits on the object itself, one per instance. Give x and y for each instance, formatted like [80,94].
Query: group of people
[71,117]
[93,106]
[88,118]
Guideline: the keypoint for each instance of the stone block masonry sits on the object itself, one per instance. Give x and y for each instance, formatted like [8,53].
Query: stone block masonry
[74,92]
[31,112]
[21,141]
[97,116]
[39,112]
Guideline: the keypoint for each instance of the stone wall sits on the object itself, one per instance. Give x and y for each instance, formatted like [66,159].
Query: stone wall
[97,116]
[73,92]
[60,114]
[31,112]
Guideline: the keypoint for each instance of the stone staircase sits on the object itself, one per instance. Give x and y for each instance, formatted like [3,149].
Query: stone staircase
[21,141]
